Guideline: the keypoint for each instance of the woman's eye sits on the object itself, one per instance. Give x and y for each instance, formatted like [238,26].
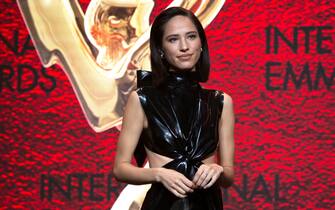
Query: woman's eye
[192,36]
[172,40]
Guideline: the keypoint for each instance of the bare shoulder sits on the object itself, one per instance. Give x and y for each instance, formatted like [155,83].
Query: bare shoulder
[134,109]
[133,104]
[133,97]
[227,118]
[227,108]
[228,100]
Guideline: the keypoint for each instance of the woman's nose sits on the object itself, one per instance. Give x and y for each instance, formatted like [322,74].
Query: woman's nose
[183,45]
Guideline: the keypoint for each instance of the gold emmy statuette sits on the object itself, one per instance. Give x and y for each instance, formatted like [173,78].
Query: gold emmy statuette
[101,50]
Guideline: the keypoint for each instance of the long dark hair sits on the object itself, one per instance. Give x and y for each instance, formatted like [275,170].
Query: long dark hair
[160,66]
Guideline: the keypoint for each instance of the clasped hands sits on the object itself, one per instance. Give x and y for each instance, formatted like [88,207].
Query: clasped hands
[179,185]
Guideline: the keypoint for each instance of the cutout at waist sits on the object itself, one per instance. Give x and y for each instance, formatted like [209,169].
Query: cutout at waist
[157,160]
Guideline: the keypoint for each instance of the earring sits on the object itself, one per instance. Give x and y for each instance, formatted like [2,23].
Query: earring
[162,54]
[201,49]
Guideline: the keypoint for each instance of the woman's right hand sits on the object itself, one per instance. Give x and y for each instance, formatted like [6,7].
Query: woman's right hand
[175,182]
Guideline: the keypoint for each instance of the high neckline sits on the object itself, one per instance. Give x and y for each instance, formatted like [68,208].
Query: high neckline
[181,80]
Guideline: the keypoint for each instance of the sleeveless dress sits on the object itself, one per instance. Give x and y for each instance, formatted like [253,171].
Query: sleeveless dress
[182,125]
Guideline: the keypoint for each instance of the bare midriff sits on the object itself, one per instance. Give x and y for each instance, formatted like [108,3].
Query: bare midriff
[157,161]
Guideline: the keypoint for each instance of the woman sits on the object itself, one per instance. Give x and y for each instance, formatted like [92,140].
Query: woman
[183,127]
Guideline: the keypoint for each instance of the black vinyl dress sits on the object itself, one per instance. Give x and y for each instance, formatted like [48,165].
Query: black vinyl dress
[182,125]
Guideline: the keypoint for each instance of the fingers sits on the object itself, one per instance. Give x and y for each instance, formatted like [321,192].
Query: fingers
[177,183]
[204,177]
[212,181]
[183,185]
[175,189]
[188,183]
[207,175]
[197,175]
[179,188]
[200,175]
[178,194]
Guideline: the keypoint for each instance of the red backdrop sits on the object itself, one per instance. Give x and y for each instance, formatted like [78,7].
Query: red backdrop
[284,105]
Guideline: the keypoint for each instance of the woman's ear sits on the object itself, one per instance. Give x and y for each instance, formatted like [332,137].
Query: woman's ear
[161,52]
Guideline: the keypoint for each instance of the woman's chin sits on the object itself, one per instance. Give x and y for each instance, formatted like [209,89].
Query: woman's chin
[183,69]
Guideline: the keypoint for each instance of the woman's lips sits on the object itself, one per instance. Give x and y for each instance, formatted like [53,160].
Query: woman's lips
[184,57]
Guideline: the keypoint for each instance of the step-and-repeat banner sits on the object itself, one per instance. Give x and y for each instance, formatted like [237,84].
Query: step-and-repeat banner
[67,67]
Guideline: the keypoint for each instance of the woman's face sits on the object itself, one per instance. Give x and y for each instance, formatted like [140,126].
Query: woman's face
[181,44]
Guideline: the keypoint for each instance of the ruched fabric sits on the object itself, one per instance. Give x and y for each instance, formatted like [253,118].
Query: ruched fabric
[183,123]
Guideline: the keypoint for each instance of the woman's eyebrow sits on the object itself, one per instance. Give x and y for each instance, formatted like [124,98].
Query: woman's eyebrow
[192,32]
[176,35]
[171,35]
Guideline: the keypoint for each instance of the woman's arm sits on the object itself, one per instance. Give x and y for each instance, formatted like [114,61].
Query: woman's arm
[226,141]
[132,125]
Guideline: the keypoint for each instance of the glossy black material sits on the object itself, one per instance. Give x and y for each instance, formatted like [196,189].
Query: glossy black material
[183,123]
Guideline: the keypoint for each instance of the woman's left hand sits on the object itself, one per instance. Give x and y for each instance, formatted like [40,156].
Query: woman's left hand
[207,175]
